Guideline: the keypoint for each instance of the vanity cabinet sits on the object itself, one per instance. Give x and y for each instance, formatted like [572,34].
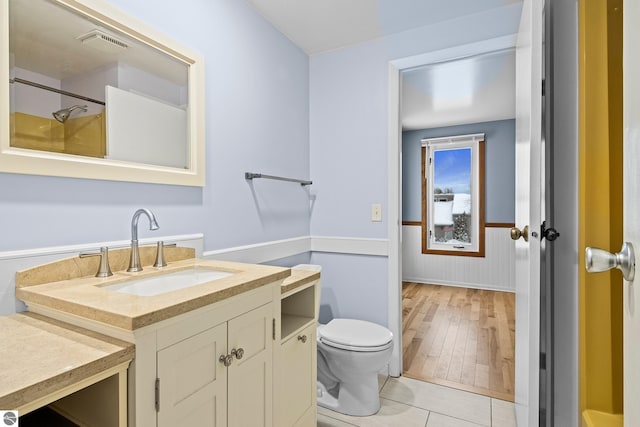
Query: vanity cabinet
[196,387]
[208,367]
[237,351]
[298,357]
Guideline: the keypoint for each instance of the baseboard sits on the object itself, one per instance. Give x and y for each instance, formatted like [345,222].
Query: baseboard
[459,284]
[592,418]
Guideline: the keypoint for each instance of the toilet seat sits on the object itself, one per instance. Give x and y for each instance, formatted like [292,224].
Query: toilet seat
[355,335]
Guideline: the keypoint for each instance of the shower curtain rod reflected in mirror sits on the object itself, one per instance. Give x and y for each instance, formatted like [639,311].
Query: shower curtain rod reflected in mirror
[52,89]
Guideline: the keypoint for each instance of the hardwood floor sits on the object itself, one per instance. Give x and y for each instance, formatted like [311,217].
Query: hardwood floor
[459,337]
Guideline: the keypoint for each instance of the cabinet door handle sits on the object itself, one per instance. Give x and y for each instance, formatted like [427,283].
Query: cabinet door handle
[226,359]
[302,338]
[237,353]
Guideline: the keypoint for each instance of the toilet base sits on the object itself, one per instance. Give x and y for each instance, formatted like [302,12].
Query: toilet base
[357,399]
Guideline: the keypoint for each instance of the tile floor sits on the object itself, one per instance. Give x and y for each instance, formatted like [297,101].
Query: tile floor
[410,403]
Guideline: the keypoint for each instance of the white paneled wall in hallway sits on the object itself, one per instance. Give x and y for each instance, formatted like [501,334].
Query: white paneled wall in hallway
[494,271]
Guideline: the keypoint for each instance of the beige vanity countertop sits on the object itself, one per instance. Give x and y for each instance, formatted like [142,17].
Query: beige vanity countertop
[85,297]
[298,278]
[40,356]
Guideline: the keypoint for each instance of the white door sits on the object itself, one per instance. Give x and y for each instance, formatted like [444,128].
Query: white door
[528,196]
[631,208]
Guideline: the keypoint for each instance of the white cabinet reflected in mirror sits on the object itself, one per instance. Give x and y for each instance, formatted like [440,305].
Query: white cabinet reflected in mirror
[88,92]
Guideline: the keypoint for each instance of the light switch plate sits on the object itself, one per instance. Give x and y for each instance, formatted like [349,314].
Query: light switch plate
[376,212]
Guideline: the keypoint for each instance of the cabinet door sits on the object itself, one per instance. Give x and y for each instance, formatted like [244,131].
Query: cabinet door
[297,378]
[193,383]
[250,377]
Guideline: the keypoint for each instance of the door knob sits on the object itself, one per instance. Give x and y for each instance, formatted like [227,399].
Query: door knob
[516,233]
[237,353]
[597,260]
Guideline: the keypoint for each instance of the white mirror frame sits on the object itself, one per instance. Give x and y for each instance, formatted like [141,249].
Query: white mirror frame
[24,161]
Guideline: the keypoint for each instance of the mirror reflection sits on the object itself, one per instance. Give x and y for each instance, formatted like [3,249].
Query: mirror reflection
[79,87]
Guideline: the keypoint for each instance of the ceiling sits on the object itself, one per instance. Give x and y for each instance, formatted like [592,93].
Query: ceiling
[320,25]
[470,90]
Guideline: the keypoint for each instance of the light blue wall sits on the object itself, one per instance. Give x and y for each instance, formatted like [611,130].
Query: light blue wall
[350,287]
[270,109]
[500,187]
[349,159]
[257,115]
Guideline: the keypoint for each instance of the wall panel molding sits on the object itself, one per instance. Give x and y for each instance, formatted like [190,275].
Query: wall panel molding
[277,249]
[71,249]
[350,245]
[262,252]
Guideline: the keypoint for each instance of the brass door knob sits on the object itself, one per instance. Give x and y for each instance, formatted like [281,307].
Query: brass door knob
[302,338]
[516,233]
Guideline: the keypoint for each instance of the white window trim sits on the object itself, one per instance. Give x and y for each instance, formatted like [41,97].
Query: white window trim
[471,141]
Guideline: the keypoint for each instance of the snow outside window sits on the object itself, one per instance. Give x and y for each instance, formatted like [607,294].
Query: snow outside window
[454,181]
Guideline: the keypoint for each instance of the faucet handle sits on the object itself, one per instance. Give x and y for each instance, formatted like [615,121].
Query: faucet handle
[160,261]
[104,270]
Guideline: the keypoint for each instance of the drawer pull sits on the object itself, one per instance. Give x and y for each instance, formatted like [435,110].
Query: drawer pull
[302,338]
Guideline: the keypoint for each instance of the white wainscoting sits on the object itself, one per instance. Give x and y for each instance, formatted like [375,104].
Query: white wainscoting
[495,271]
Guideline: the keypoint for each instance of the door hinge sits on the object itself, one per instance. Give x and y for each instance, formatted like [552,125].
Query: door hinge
[543,361]
[157,392]
[273,329]
[544,87]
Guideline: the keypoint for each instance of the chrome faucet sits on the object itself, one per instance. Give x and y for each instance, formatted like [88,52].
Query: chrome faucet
[104,270]
[134,260]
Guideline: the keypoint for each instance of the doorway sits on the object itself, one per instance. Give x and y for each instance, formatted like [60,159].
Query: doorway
[458,325]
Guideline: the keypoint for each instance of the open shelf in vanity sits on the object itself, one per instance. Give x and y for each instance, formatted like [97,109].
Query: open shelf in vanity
[298,310]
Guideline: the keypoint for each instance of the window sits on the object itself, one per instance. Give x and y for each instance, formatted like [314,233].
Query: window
[453,195]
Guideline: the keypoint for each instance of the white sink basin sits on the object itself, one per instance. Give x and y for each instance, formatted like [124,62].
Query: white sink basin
[162,283]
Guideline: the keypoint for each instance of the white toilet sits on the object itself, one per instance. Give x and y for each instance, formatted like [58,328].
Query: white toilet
[350,354]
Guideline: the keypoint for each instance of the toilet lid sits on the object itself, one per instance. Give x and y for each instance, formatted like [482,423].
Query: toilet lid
[358,335]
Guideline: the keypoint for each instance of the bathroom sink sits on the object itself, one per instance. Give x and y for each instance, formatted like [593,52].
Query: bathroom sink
[162,283]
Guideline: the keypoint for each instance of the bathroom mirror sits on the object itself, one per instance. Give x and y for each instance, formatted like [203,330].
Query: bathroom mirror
[89,92]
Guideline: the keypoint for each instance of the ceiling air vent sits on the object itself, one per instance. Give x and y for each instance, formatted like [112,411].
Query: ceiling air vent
[102,41]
